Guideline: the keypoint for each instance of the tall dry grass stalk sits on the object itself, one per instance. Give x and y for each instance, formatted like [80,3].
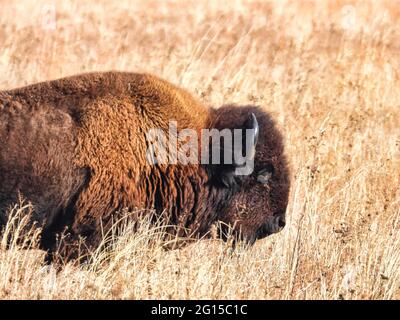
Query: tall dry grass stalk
[328,71]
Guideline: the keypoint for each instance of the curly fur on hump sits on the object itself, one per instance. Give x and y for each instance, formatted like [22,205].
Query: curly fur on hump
[76,147]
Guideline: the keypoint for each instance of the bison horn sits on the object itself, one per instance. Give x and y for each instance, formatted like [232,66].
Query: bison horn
[249,142]
[253,125]
[242,165]
[250,145]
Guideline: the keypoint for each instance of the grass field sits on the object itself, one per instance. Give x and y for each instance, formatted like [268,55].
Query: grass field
[329,72]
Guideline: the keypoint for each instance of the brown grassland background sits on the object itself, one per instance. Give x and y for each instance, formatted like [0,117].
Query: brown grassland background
[329,72]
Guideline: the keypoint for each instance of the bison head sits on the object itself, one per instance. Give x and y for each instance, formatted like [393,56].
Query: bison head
[258,200]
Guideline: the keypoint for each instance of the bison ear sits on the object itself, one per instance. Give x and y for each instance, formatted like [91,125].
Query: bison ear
[243,152]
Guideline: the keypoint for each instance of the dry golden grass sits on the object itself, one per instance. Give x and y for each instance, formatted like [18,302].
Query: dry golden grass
[329,71]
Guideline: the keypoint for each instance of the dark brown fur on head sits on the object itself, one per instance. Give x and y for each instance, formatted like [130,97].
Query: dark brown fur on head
[76,147]
[258,207]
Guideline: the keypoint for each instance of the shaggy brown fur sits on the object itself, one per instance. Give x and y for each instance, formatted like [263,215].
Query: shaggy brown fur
[76,147]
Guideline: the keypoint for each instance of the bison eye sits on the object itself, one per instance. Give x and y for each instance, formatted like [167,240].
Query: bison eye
[264,175]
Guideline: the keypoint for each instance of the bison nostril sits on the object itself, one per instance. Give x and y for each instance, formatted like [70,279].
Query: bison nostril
[281,222]
[273,225]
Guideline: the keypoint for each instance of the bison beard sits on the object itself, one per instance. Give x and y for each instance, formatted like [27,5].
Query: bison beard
[76,148]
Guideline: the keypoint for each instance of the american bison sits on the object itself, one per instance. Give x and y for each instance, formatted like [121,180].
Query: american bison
[77,149]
